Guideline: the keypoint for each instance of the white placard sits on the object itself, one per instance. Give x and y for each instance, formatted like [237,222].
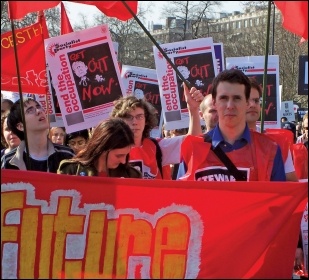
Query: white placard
[254,66]
[85,75]
[287,110]
[196,61]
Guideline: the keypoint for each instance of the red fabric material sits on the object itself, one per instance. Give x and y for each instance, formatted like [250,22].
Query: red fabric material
[31,59]
[246,230]
[147,154]
[19,9]
[65,22]
[300,160]
[197,155]
[283,137]
[295,16]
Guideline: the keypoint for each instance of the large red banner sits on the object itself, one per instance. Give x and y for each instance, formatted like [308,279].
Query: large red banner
[31,59]
[55,226]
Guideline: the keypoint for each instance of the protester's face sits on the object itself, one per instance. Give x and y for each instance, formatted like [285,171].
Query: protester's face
[58,135]
[35,118]
[117,156]
[254,110]
[210,114]
[231,104]
[11,139]
[77,144]
[5,106]
[136,121]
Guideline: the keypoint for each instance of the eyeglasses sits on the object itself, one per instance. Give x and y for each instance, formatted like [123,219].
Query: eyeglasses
[32,110]
[256,100]
[137,117]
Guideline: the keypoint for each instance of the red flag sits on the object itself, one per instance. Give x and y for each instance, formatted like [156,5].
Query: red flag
[31,59]
[19,9]
[92,227]
[65,22]
[295,17]
[114,8]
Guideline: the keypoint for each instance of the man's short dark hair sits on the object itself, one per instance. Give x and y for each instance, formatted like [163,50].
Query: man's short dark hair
[15,117]
[233,76]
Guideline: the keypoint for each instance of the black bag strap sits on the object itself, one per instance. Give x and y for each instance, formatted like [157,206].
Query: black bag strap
[226,161]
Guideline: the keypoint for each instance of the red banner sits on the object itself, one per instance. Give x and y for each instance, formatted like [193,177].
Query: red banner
[19,9]
[31,59]
[56,226]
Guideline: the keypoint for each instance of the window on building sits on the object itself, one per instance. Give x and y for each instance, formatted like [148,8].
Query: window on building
[246,23]
[251,22]
[234,24]
[257,21]
[238,24]
[227,26]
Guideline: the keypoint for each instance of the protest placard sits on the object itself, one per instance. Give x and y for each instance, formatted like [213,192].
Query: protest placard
[253,66]
[85,75]
[195,59]
[219,54]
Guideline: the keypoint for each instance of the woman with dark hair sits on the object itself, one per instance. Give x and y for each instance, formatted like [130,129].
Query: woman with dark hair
[106,153]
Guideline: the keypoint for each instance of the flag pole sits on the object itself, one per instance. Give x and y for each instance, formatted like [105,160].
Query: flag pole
[188,84]
[28,163]
[265,68]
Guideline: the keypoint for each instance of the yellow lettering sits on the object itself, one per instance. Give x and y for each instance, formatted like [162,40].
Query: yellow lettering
[134,239]
[64,224]
[171,245]
[28,239]
[46,245]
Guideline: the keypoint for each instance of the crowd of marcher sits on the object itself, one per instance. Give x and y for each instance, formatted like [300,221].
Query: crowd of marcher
[230,113]
[231,146]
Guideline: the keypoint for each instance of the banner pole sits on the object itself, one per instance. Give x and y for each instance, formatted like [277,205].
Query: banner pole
[28,163]
[188,84]
[265,68]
